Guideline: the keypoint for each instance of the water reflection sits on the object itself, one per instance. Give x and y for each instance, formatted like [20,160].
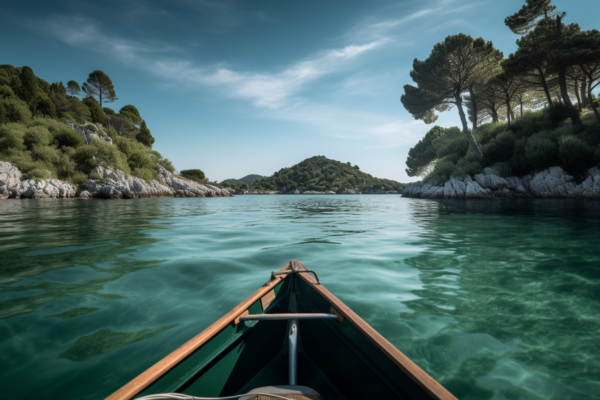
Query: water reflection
[519,292]
[497,300]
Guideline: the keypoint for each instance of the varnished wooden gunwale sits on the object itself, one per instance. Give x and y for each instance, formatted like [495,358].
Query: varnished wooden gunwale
[146,378]
[430,385]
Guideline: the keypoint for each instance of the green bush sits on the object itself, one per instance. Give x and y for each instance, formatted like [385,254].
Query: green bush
[193,174]
[11,136]
[500,148]
[84,158]
[140,159]
[96,112]
[486,132]
[16,110]
[67,137]
[557,113]
[110,156]
[38,174]
[456,147]
[541,152]
[42,105]
[6,92]
[575,156]
[36,136]
[442,171]
[90,127]
[166,164]
[530,123]
[145,174]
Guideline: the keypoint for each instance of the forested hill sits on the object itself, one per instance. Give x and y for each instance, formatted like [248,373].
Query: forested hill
[322,174]
[248,179]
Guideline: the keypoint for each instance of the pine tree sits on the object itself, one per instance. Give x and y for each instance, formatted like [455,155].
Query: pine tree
[99,85]
[144,136]
[73,88]
[454,66]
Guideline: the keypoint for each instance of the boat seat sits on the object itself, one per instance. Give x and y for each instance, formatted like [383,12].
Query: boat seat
[290,391]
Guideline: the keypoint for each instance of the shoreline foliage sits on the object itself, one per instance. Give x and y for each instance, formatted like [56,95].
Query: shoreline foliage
[35,138]
[519,107]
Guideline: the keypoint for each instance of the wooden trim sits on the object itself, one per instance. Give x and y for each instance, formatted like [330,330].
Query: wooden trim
[237,320]
[336,312]
[153,373]
[267,299]
[430,385]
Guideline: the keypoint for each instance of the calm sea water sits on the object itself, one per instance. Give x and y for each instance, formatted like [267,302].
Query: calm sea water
[494,299]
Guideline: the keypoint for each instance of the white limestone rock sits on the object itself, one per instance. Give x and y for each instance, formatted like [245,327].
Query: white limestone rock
[475,191]
[10,179]
[552,183]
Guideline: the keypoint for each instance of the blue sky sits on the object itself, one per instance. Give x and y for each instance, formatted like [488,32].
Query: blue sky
[240,87]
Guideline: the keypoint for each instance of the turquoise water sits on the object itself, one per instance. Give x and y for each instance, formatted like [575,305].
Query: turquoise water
[494,299]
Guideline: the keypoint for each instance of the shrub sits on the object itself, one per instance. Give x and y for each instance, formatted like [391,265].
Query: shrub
[38,174]
[500,148]
[140,159]
[6,92]
[91,127]
[486,132]
[541,152]
[42,105]
[145,174]
[78,178]
[84,158]
[457,147]
[193,174]
[530,123]
[96,112]
[48,154]
[166,164]
[557,113]
[36,136]
[11,137]
[131,113]
[67,137]
[109,156]
[575,156]
[442,171]
[16,110]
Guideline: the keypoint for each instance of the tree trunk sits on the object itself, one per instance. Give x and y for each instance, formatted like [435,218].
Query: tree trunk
[545,86]
[474,107]
[562,80]
[100,98]
[494,115]
[583,89]
[591,100]
[508,112]
[577,95]
[467,132]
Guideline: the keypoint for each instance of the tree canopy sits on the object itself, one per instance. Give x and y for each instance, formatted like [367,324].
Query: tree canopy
[100,86]
[454,66]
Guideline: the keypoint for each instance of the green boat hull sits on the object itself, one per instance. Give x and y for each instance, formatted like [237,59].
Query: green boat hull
[339,358]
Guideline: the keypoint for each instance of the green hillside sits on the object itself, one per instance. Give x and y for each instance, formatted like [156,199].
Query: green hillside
[35,138]
[322,174]
[248,179]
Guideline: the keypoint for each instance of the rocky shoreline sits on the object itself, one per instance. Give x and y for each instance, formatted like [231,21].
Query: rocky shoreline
[551,183]
[108,185]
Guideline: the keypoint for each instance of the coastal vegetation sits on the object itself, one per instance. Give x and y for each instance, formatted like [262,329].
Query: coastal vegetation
[322,174]
[528,112]
[35,138]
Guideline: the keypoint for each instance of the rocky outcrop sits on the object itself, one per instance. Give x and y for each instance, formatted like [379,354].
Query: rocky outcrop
[108,185]
[115,185]
[551,183]
[89,135]
[10,179]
